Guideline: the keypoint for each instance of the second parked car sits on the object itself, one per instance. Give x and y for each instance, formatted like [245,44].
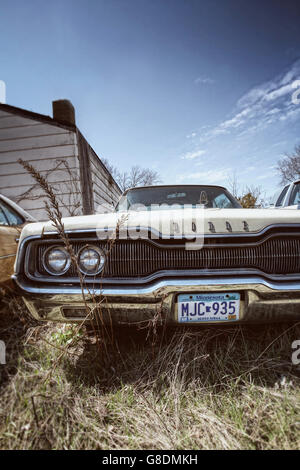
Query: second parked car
[12,220]
[289,196]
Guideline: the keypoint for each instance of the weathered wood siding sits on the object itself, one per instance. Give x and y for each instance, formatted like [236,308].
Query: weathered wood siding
[62,155]
[52,150]
[96,179]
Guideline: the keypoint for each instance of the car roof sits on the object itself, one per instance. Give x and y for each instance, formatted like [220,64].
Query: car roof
[176,186]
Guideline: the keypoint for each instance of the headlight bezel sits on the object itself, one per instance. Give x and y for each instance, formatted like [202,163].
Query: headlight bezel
[102,259]
[46,262]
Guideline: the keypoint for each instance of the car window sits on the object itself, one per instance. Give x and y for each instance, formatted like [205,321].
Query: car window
[295,196]
[3,219]
[281,197]
[222,202]
[11,215]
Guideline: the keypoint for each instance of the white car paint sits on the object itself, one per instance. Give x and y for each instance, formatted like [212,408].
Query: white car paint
[256,219]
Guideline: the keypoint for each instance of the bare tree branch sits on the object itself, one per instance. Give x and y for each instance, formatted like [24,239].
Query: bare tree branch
[137,176]
[289,167]
[233,185]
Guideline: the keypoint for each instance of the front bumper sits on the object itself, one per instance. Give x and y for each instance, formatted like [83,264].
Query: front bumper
[261,300]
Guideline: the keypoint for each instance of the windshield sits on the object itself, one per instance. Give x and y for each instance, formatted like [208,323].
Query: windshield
[168,197]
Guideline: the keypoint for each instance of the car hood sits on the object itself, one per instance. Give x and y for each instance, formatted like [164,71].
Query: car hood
[208,221]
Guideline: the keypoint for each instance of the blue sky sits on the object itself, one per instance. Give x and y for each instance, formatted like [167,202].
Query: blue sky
[197,90]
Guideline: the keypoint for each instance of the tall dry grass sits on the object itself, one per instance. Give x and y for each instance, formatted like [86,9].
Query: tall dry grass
[198,388]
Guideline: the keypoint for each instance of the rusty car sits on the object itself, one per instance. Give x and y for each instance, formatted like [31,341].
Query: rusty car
[12,220]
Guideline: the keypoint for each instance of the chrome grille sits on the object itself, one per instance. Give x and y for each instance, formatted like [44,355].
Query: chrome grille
[139,258]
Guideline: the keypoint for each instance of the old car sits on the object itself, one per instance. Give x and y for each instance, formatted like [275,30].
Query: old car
[12,220]
[184,254]
[288,197]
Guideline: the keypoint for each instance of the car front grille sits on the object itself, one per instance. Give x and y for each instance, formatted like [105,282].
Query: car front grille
[141,258]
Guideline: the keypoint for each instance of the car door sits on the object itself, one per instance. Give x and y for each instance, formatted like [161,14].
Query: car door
[10,227]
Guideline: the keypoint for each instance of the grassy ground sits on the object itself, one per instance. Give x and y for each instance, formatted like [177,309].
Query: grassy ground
[192,389]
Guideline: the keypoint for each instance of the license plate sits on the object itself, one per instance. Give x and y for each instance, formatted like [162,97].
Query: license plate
[198,308]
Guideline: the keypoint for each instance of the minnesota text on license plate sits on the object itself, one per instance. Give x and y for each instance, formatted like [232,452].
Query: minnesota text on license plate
[224,306]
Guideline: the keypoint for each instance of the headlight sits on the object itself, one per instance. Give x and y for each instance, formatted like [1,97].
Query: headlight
[56,260]
[91,260]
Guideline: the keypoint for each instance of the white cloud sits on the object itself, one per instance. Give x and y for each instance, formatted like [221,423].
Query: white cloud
[263,177]
[207,177]
[193,155]
[204,81]
[264,105]
[192,135]
[290,114]
[281,85]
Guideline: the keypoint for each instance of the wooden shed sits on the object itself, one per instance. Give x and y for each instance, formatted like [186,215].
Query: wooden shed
[58,150]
